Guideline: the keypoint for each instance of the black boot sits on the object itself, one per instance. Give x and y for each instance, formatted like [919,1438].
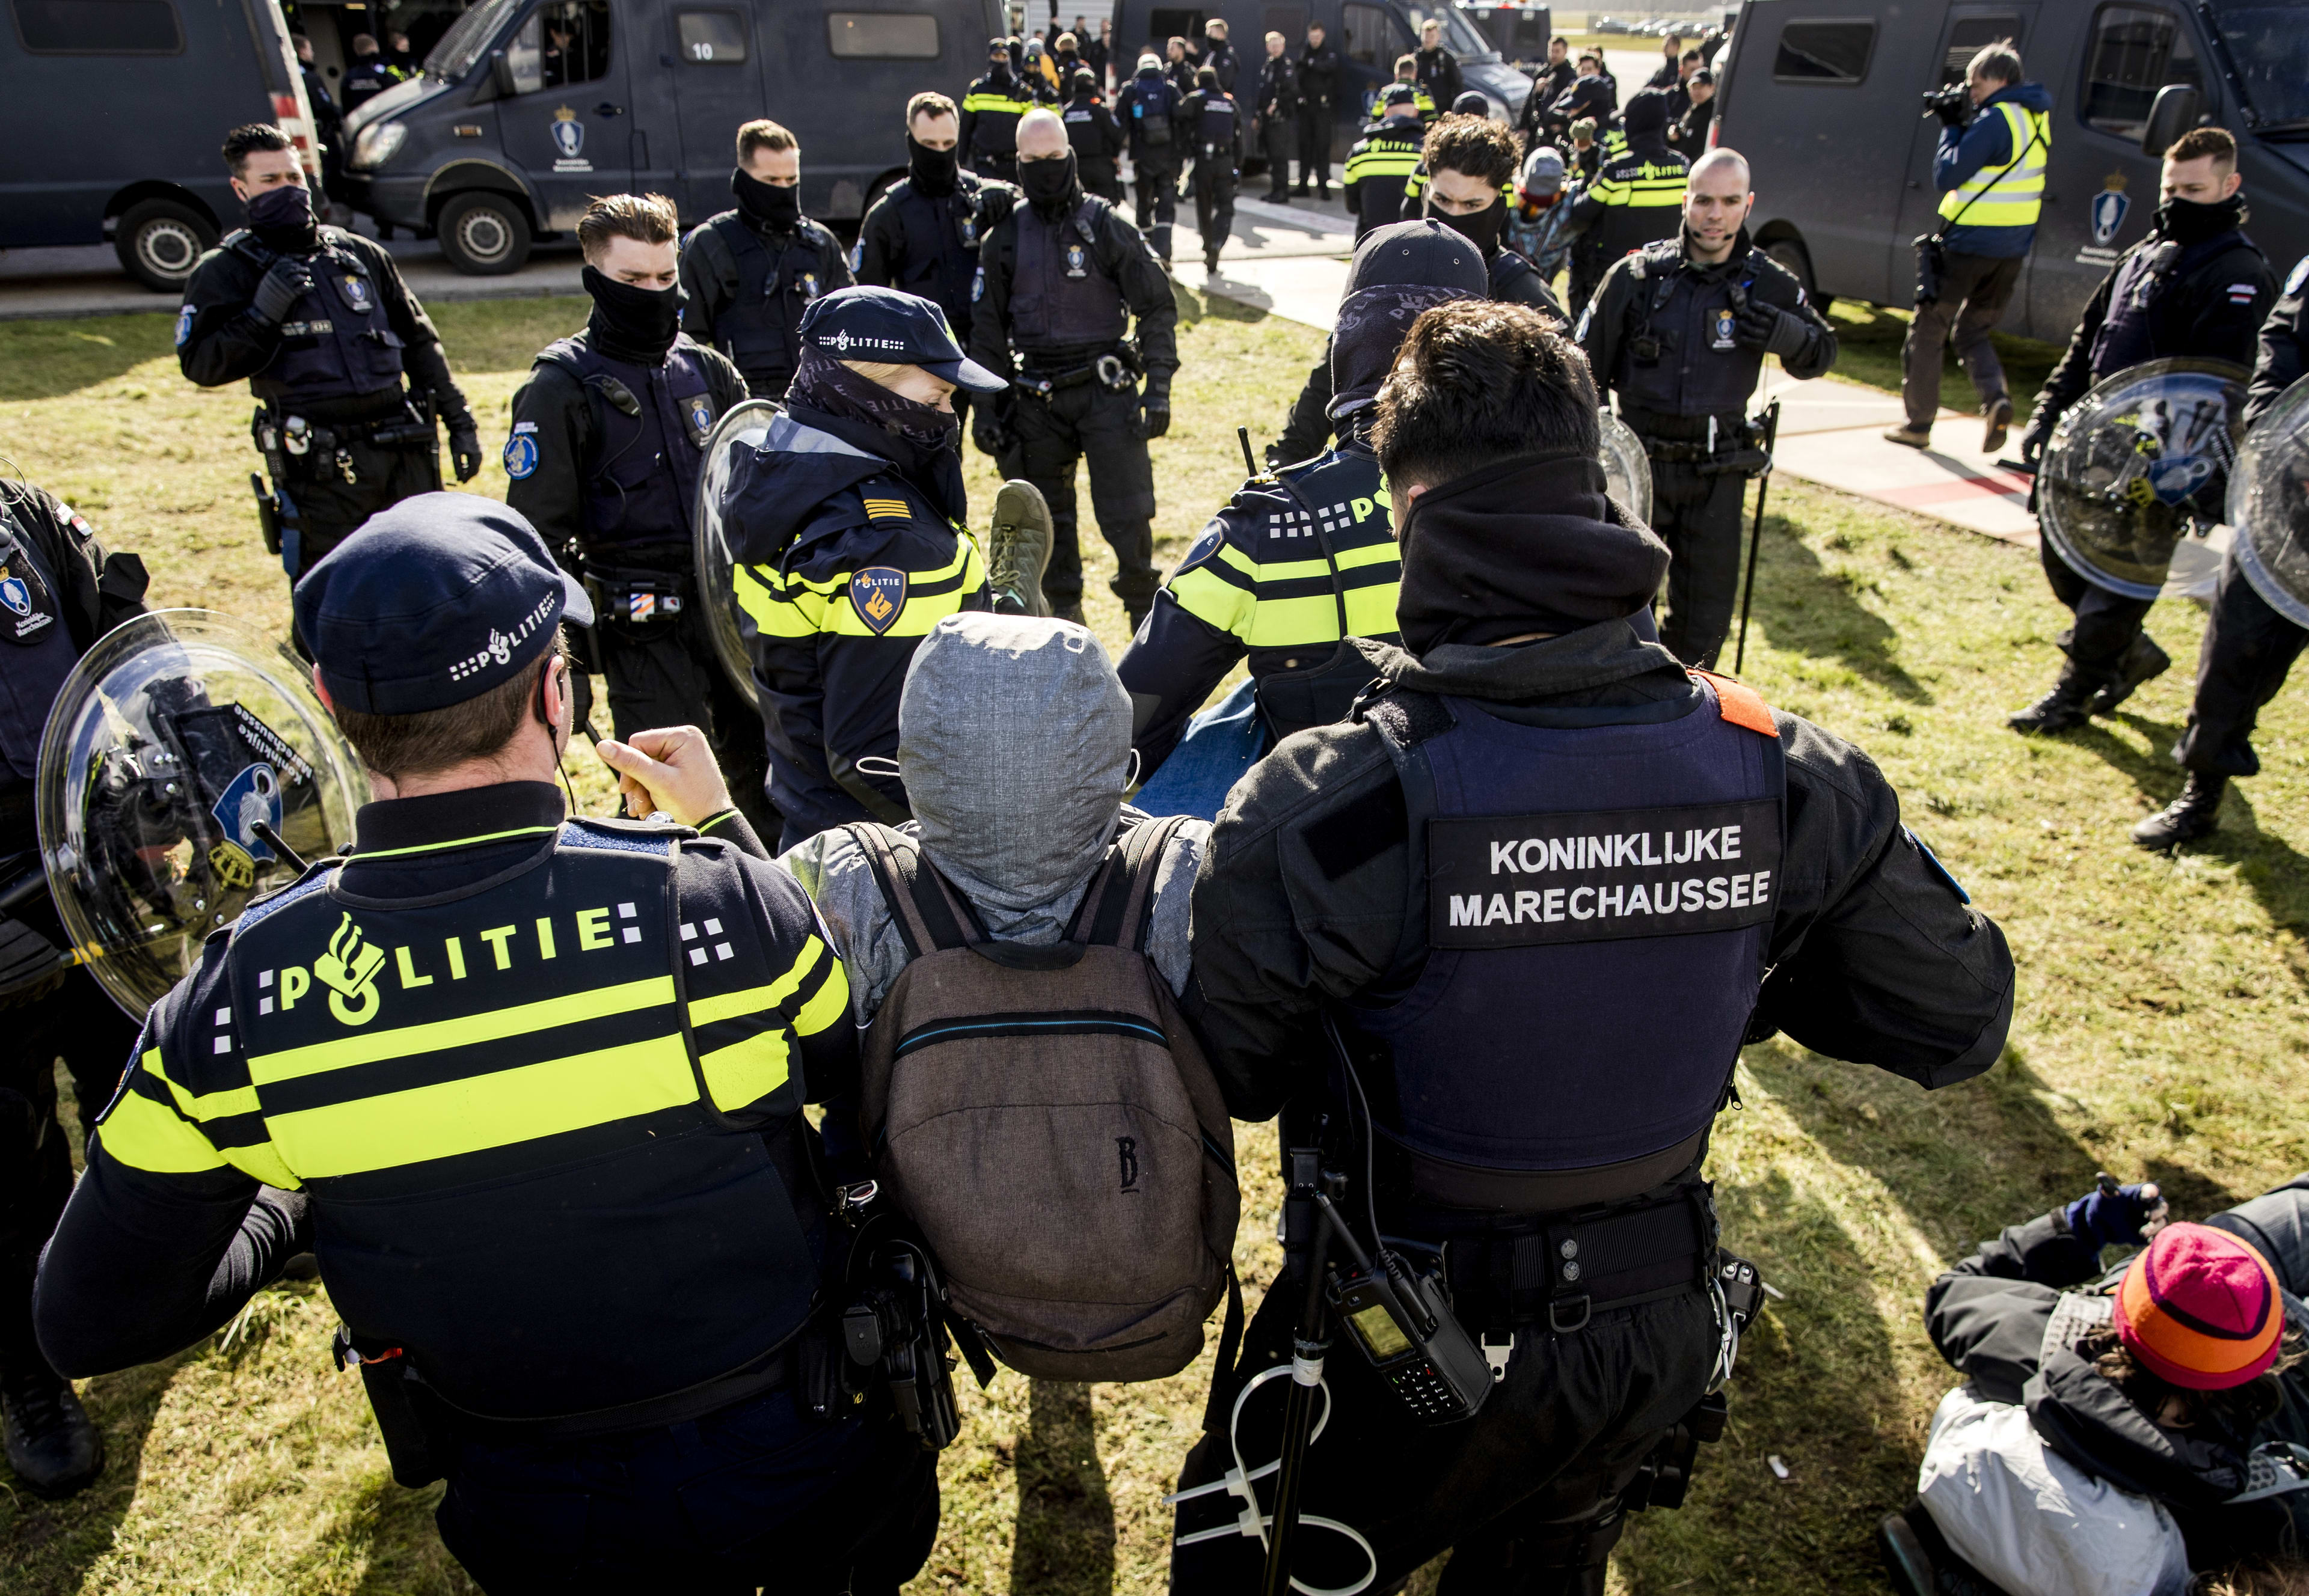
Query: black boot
[2061,709]
[53,1446]
[2195,813]
[2144,661]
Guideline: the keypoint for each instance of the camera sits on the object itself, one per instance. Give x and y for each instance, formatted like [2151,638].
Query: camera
[1952,104]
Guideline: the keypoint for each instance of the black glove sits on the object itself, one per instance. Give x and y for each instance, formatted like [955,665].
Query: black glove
[279,289]
[2032,442]
[990,430]
[465,446]
[2114,1215]
[30,967]
[1155,408]
[1772,330]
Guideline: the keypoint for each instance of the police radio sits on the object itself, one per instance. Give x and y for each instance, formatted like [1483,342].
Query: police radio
[1404,1325]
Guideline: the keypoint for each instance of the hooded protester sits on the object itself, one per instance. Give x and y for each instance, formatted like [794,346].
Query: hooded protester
[749,275]
[2108,1424]
[1395,873]
[1242,588]
[846,529]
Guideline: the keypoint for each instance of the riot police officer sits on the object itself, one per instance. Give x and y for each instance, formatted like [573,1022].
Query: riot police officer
[1553,1180]
[1148,106]
[1634,197]
[1215,125]
[1096,135]
[59,592]
[608,436]
[319,323]
[922,236]
[1278,116]
[1319,103]
[1381,161]
[1679,330]
[2196,286]
[748,274]
[594,1017]
[1061,279]
[991,109]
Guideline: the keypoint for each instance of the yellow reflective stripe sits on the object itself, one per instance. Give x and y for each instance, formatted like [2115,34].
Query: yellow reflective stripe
[522,830]
[753,1000]
[776,609]
[263,1162]
[145,1135]
[1288,623]
[994,102]
[1213,601]
[1386,163]
[2010,195]
[215,1105]
[1349,559]
[838,616]
[409,1041]
[497,1109]
[829,1003]
[747,1070]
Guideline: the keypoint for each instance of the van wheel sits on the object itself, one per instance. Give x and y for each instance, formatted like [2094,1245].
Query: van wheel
[1791,254]
[484,234]
[159,240]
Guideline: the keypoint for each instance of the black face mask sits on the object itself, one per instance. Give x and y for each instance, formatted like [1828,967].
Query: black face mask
[281,218]
[1050,185]
[932,171]
[2187,221]
[1480,228]
[997,73]
[633,322]
[766,204]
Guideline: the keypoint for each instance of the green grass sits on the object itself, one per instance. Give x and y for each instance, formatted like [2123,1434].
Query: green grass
[1868,351]
[2162,1023]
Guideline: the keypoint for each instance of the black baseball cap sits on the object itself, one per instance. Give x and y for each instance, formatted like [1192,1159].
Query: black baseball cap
[865,322]
[1425,253]
[432,602]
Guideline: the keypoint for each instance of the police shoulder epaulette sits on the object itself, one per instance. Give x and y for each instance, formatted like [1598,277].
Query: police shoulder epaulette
[1740,704]
[623,835]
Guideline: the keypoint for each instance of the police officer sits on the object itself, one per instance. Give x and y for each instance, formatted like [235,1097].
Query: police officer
[1319,106]
[1095,137]
[923,235]
[59,592]
[1635,197]
[990,110]
[1588,96]
[421,1060]
[1061,279]
[748,275]
[369,76]
[1219,56]
[1680,330]
[328,120]
[1437,67]
[2248,646]
[2195,285]
[1278,116]
[608,435]
[1244,588]
[1392,875]
[319,323]
[1381,161]
[1406,74]
[1546,85]
[1148,106]
[1215,125]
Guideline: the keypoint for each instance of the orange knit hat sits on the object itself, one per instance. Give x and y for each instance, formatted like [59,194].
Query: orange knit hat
[2200,1307]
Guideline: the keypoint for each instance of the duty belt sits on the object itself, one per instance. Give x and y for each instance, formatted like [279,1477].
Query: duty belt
[1738,446]
[413,428]
[1564,1267]
[1115,369]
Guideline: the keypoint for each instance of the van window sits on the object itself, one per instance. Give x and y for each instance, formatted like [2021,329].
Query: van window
[2270,50]
[715,37]
[98,27]
[1371,36]
[1166,22]
[562,44]
[1968,36]
[1823,52]
[2136,50]
[884,36]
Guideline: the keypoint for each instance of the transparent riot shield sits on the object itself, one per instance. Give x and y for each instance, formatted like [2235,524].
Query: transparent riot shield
[1627,468]
[2268,505]
[742,426]
[188,763]
[2138,463]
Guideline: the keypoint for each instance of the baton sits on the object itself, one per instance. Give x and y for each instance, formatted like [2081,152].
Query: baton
[1311,1340]
[1756,538]
[1242,436]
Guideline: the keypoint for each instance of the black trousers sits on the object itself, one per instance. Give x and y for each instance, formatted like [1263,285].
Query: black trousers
[1699,517]
[2106,623]
[1277,138]
[1095,423]
[1975,289]
[1526,1491]
[1100,177]
[1155,191]
[1314,125]
[2247,650]
[666,673]
[331,509]
[1215,191]
[759,1494]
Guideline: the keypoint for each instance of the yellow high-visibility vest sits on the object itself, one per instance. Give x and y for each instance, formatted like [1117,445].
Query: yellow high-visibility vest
[2010,195]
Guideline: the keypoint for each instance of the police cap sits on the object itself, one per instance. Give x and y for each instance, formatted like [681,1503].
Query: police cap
[434,601]
[1423,252]
[1397,95]
[865,322]
[1471,103]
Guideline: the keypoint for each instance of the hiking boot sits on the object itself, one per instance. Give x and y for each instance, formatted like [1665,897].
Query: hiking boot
[1017,548]
[2061,709]
[1303,191]
[1211,261]
[52,1445]
[1914,437]
[1998,414]
[2194,814]
[2144,661]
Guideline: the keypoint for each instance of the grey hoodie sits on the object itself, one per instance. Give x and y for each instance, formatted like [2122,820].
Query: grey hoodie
[1014,741]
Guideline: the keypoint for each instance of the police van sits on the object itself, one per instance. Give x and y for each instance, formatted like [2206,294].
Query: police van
[527,109]
[1824,98]
[111,116]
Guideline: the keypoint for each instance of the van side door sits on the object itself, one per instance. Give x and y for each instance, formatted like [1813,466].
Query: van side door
[567,125]
[1963,32]
[713,83]
[1801,85]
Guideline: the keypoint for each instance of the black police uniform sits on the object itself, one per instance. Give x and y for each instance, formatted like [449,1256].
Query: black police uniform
[368,78]
[2204,296]
[1148,108]
[1219,56]
[1215,125]
[1278,121]
[1635,198]
[747,285]
[1062,289]
[1319,103]
[604,457]
[1379,165]
[342,437]
[991,109]
[1547,85]
[1438,71]
[1098,141]
[1588,97]
[1451,842]
[1682,345]
[59,592]
[923,236]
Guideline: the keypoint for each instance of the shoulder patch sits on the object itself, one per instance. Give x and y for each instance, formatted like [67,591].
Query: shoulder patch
[1205,548]
[185,322]
[520,455]
[2298,276]
[1740,704]
[879,594]
[886,509]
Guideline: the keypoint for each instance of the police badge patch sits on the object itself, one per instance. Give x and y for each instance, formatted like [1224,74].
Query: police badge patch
[701,417]
[520,456]
[808,283]
[25,607]
[879,594]
[356,287]
[1720,322]
[1076,261]
[184,325]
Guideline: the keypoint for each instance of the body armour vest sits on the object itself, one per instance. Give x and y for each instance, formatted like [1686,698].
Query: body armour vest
[758,328]
[336,341]
[552,997]
[1680,357]
[1059,297]
[39,653]
[2130,332]
[1214,122]
[1596,904]
[641,476]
